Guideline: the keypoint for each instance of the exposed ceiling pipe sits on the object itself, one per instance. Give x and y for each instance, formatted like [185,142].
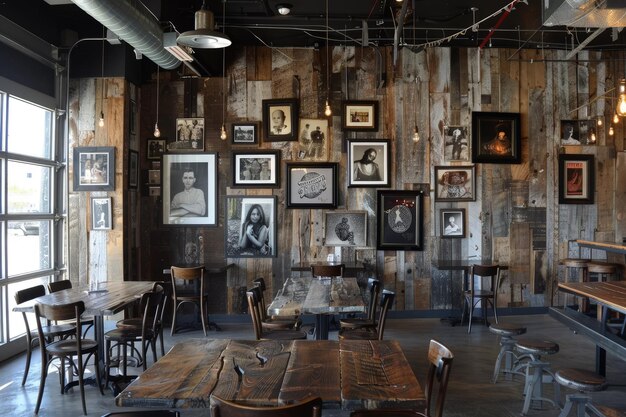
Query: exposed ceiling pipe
[134,24]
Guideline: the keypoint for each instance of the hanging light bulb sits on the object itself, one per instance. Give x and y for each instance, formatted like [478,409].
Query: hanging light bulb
[101,121]
[157,132]
[599,122]
[223,134]
[611,130]
[416,134]
[593,137]
[327,110]
[621,102]
[615,118]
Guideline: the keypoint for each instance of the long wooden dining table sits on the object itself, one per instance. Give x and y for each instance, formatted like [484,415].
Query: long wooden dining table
[346,374]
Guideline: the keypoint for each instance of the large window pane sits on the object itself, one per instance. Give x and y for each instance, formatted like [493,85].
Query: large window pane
[28,188]
[18,327]
[29,129]
[28,246]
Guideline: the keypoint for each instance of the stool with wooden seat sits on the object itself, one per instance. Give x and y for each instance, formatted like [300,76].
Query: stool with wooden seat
[576,266]
[582,381]
[535,368]
[604,270]
[512,362]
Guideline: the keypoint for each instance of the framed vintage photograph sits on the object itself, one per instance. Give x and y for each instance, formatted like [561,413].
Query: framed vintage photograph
[345,228]
[154,176]
[400,220]
[94,168]
[456,143]
[101,213]
[156,147]
[250,227]
[455,183]
[359,115]
[578,132]
[189,135]
[496,138]
[452,223]
[369,163]
[154,191]
[189,189]
[311,185]
[245,133]
[280,119]
[576,179]
[257,169]
[313,140]
[133,169]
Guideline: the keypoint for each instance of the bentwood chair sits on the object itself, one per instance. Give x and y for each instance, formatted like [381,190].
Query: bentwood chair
[50,332]
[370,320]
[483,284]
[188,292]
[309,407]
[270,323]
[254,308]
[81,348]
[372,333]
[66,284]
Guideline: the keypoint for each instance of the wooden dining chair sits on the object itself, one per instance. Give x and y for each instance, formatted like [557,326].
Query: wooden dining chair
[369,321]
[324,270]
[270,323]
[66,284]
[372,333]
[489,278]
[254,309]
[77,346]
[187,292]
[311,407]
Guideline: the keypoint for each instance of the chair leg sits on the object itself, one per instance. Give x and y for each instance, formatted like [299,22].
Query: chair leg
[464,310]
[471,315]
[42,381]
[173,329]
[81,383]
[203,318]
[29,353]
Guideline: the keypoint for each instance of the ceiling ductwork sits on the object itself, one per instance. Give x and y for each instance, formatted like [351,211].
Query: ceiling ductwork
[134,24]
[584,13]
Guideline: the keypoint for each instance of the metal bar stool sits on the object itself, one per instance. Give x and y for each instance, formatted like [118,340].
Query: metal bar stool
[535,368]
[512,362]
[583,382]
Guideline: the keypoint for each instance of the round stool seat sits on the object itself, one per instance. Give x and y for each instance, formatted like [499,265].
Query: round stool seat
[536,346]
[580,379]
[574,262]
[506,329]
[601,267]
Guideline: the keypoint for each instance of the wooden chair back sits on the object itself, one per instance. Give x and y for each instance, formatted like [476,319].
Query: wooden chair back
[260,284]
[374,287]
[439,364]
[309,407]
[187,291]
[252,295]
[64,284]
[327,270]
[492,272]
[385,304]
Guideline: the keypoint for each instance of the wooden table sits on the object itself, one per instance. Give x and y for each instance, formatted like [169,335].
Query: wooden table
[346,374]
[319,296]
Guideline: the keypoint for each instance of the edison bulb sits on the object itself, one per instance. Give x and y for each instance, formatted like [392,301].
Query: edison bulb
[416,134]
[223,135]
[615,118]
[101,121]
[593,137]
[157,132]
[599,121]
[611,130]
[327,110]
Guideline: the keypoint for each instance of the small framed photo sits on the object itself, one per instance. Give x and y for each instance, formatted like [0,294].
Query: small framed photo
[313,140]
[311,185]
[245,133]
[452,223]
[576,179]
[189,135]
[280,119]
[400,220]
[156,147]
[154,176]
[94,168]
[456,143]
[578,132]
[496,138]
[133,169]
[259,169]
[101,213]
[455,183]
[154,191]
[250,230]
[345,228]
[369,163]
[359,115]
[189,189]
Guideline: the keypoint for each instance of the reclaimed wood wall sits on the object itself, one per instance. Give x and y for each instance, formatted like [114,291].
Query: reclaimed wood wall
[434,88]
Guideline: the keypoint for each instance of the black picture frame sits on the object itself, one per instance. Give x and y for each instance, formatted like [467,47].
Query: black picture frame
[400,220]
[578,132]
[101,213]
[94,168]
[345,228]
[496,138]
[189,135]
[174,168]
[455,183]
[235,210]
[359,151]
[312,185]
[359,116]
[576,179]
[156,148]
[133,169]
[452,223]
[288,110]
[256,169]
[313,140]
[245,133]
[456,144]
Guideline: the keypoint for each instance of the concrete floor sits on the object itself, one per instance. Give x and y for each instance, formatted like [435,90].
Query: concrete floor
[470,392]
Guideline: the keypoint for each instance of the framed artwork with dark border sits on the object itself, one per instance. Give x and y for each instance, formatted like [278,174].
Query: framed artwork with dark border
[189,135]
[345,228]
[576,179]
[245,133]
[94,168]
[256,169]
[455,183]
[496,138]
[452,222]
[133,169]
[156,147]
[311,185]
[369,163]
[250,230]
[456,141]
[189,189]
[313,140]
[400,220]
[359,116]
[578,132]
[101,213]
[280,119]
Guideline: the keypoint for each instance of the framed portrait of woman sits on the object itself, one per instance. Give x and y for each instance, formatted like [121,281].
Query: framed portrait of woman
[452,223]
[369,163]
[250,227]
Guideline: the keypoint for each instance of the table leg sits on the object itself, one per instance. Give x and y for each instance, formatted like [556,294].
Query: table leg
[321,326]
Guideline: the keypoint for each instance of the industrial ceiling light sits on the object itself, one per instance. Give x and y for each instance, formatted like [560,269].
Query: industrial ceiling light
[284,8]
[204,36]
[181,52]
[621,102]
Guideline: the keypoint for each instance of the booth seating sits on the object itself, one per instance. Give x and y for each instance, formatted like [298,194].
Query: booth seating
[512,362]
[535,368]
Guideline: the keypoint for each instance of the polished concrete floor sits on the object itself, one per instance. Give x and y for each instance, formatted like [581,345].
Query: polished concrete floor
[470,392]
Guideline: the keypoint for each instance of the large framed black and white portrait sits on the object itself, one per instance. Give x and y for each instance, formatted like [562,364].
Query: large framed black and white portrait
[190,189]
[250,227]
[94,168]
[400,220]
[345,228]
[369,163]
[256,169]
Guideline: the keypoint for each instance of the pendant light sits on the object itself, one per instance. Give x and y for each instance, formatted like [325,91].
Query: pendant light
[620,109]
[101,121]
[204,36]
[157,132]
[223,135]
[416,131]
[327,110]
